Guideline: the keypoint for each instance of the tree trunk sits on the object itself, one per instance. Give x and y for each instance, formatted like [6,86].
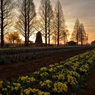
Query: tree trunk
[81,37]
[13,41]
[2,28]
[25,26]
[64,39]
[77,34]
[49,32]
[28,21]
[45,23]
[55,41]
[58,25]
[45,34]
[77,37]
[28,29]
[28,25]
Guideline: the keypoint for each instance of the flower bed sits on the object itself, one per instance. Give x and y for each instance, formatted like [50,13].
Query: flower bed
[8,51]
[54,79]
[26,50]
[13,58]
[5,59]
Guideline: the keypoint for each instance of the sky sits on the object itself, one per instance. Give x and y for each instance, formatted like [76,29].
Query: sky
[84,10]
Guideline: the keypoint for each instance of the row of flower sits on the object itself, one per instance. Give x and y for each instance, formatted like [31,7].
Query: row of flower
[54,79]
[7,59]
[9,51]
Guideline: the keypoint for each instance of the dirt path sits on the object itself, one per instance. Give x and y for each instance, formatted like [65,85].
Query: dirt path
[90,88]
[23,68]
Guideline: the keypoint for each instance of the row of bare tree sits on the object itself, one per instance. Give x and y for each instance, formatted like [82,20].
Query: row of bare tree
[6,7]
[28,22]
[49,22]
[79,34]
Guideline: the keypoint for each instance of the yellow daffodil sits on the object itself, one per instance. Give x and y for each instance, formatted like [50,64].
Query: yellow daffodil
[55,89]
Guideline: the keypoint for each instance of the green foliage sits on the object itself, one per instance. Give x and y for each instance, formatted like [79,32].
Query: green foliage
[76,89]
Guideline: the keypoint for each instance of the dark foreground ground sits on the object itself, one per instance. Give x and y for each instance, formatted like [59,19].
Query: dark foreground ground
[10,71]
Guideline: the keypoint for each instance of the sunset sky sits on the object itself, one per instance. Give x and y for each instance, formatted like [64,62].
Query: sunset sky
[84,10]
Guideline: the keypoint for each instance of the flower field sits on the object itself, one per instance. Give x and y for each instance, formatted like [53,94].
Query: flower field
[8,56]
[8,51]
[54,79]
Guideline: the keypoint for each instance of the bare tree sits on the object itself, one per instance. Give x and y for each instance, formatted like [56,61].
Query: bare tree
[8,37]
[64,36]
[12,36]
[45,10]
[75,33]
[6,7]
[50,20]
[31,15]
[18,39]
[79,33]
[54,37]
[82,34]
[59,22]
[24,24]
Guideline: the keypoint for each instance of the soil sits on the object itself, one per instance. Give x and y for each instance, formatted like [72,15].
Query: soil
[13,70]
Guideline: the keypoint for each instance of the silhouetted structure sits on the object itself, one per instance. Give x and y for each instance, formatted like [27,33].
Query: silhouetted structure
[93,43]
[38,38]
[72,43]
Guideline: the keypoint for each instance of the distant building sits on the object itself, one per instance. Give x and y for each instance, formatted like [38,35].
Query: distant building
[71,43]
[93,43]
[30,42]
[38,38]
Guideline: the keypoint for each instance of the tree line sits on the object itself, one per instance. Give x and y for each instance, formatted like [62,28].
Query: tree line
[51,23]
[79,34]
